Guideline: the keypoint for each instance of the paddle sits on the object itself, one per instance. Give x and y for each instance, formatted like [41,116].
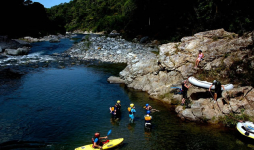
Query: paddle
[109,132]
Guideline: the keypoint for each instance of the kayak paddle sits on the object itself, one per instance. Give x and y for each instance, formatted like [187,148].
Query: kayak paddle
[109,132]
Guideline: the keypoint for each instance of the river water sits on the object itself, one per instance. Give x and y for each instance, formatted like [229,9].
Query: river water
[60,108]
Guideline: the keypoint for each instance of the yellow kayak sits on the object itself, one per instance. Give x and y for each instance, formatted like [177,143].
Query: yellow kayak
[110,144]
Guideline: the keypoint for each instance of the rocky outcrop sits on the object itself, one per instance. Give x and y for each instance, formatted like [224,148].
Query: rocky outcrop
[156,74]
[221,49]
[50,38]
[13,46]
[116,80]
[19,51]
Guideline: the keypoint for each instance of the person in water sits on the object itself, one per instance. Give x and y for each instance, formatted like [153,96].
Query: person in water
[131,111]
[113,110]
[96,140]
[148,118]
[200,57]
[217,90]
[148,107]
[118,104]
[185,88]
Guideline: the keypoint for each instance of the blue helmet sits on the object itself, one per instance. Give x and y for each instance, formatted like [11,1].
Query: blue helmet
[147,105]
[148,112]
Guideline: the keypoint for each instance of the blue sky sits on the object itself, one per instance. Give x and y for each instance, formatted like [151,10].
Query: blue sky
[50,3]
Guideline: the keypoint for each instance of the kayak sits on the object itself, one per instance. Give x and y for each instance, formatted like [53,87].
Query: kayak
[246,128]
[110,144]
[205,84]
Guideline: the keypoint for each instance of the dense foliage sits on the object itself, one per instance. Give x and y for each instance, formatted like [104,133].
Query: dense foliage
[161,19]
[23,18]
[156,18]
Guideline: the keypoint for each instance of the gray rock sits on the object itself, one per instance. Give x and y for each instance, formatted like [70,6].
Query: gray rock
[54,40]
[13,52]
[144,39]
[187,114]
[117,80]
[23,50]
[197,112]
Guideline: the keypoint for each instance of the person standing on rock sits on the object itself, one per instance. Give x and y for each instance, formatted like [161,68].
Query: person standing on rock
[217,90]
[200,57]
[185,88]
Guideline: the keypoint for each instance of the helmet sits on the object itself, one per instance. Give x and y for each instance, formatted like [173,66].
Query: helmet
[214,81]
[148,112]
[131,104]
[97,134]
[147,105]
[118,101]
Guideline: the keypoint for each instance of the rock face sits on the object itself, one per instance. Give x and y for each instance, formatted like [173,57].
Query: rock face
[19,51]
[117,80]
[156,74]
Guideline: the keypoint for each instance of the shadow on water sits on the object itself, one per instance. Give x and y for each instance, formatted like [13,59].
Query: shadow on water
[22,145]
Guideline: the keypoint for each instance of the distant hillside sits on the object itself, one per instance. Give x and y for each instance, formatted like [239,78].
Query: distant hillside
[161,19]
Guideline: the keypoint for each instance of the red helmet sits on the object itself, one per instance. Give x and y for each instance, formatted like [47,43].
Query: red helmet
[97,134]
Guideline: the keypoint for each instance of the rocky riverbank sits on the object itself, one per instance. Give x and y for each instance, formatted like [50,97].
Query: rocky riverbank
[228,57]
[15,47]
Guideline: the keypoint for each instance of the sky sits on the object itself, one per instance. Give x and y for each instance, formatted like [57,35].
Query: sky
[50,3]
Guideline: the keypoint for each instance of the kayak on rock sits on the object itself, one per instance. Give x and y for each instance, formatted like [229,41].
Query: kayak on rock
[246,128]
[108,145]
[205,84]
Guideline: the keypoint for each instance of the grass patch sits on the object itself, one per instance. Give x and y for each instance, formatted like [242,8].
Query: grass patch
[156,52]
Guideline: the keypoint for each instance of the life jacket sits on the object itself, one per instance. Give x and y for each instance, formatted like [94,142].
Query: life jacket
[148,118]
[112,108]
[129,109]
[98,142]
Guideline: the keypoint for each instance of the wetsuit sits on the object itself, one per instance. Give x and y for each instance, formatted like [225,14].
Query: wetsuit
[217,89]
[184,89]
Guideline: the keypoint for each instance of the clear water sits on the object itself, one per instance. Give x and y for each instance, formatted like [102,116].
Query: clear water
[61,109]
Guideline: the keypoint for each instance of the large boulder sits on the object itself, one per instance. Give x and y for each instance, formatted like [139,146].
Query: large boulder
[187,114]
[19,51]
[113,79]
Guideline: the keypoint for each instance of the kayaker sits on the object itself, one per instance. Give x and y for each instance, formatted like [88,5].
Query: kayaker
[148,118]
[131,111]
[185,88]
[217,90]
[96,140]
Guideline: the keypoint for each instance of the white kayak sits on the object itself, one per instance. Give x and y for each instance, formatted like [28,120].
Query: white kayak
[246,128]
[205,84]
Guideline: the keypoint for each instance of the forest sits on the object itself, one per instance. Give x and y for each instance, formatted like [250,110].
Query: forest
[26,18]
[160,19]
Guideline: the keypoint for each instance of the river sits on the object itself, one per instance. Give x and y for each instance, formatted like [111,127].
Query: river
[59,106]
